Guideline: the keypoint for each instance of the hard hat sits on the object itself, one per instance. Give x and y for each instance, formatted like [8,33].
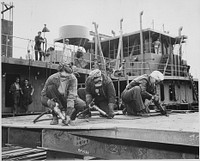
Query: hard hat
[66,40]
[95,73]
[157,75]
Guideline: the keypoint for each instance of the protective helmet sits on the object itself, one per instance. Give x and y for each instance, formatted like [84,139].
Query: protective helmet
[97,78]
[95,73]
[66,40]
[158,76]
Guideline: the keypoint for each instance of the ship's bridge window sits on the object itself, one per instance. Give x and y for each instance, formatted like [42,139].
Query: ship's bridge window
[162,92]
[172,92]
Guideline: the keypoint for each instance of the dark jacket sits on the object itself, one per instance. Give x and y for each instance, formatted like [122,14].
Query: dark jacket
[147,88]
[38,41]
[107,91]
[13,89]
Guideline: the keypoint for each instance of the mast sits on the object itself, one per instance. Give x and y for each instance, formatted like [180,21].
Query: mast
[120,48]
[141,44]
[98,46]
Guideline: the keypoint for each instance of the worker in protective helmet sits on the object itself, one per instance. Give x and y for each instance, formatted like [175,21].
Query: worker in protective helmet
[60,93]
[139,89]
[100,88]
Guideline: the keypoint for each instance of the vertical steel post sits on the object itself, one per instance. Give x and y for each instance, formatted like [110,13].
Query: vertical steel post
[141,43]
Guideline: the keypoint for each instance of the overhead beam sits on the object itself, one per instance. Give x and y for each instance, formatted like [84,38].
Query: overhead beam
[7,8]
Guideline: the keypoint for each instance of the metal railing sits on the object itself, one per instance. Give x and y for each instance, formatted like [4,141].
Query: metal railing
[13,46]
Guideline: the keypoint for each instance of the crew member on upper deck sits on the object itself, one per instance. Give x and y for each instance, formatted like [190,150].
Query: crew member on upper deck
[37,47]
[67,53]
[157,46]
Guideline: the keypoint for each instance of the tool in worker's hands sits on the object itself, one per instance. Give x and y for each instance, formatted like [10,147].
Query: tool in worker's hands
[43,113]
[57,110]
[98,109]
[160,107]
[93,106]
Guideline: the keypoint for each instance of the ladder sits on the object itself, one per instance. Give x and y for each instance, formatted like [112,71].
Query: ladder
[194,86]
[164,65]
[165,68]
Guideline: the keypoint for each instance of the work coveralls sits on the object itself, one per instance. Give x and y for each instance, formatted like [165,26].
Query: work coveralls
[136,92]
[105,99]
[69,100]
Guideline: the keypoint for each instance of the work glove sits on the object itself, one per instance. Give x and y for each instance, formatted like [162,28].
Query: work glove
[155,98]
[69,115]
[88,99]
[51,103]
[111,113]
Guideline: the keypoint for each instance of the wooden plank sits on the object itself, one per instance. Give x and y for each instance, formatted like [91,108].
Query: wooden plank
[15,151]
[35,156]
[5,149]
[24,154]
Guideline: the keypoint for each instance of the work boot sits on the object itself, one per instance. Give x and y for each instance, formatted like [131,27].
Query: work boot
[85,114]
[54,121]
[124,111]
[73,115]
[67,120]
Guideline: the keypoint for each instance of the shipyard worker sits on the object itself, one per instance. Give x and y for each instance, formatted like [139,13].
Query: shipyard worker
[67,53]
[27,92]
[141,88]
[100,88]
[157,45]
[60,94]
[16,91]
[37,47]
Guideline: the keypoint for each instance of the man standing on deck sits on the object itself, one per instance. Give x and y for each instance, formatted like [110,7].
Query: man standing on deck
[157,45]
[60,92]
[37,47]
[100,88]
[67,53]
[139,89]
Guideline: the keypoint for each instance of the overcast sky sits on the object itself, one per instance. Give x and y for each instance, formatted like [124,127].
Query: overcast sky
[31,15]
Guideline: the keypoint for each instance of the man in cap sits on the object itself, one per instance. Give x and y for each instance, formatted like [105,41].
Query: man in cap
[100,88]
[37,47]
[60,92]
[139,89]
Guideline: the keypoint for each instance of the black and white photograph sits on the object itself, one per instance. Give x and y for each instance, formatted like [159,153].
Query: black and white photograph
[100,79]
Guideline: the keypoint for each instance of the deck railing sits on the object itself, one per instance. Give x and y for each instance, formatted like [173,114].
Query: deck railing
[13,46]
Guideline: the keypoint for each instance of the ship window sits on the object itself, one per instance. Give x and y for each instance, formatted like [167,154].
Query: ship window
[162,92]
[172,94]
